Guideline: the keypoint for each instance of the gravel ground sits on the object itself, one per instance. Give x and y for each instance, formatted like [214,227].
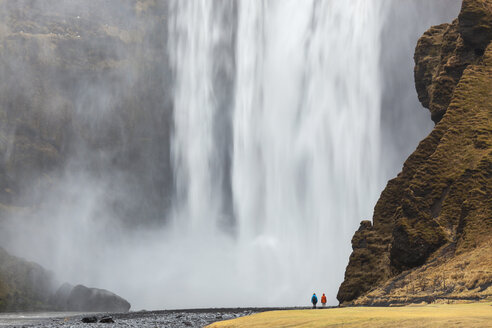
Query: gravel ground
[167,318]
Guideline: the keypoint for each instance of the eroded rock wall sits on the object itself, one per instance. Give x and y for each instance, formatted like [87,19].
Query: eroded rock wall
[27,286]
[439,208]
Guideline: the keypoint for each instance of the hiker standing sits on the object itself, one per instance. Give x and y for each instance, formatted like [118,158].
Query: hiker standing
[323,300]
[314,300]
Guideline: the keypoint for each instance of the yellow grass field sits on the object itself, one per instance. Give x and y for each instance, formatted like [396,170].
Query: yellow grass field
[433,315]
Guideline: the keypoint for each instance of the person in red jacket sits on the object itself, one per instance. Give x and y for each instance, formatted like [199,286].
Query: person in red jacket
[323,300]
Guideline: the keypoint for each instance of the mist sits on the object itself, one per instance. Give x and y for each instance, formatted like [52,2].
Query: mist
[203,153]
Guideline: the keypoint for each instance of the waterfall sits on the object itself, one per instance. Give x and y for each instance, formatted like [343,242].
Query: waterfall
[199,38]
[262,126]
[276,117]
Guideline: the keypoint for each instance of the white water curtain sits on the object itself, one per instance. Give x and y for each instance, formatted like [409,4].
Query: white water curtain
[305,139]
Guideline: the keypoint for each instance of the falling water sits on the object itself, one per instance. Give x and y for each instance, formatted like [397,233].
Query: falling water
[275,146]
[200,35]
[299,168]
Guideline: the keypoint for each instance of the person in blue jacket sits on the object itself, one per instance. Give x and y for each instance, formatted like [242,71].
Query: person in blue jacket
[314,300]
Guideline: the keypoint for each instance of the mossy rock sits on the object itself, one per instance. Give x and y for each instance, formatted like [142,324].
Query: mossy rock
[442,199]
[24,286]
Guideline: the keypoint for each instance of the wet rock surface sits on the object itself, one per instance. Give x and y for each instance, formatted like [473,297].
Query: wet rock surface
[82,298]
[106,320]
[89,320]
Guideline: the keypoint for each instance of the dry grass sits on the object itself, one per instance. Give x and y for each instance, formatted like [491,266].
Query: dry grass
[435,315]
[467,275]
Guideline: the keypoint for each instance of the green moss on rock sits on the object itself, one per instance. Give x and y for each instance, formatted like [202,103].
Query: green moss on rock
[442,199]
[24,286]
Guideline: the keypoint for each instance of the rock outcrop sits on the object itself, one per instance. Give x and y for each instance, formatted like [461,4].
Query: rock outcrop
[84,299]
[26,286]
[23,285]
[431,235]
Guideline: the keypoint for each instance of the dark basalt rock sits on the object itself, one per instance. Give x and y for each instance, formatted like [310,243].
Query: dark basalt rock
[86,299]
[89,320]
[106,320]
[81,298]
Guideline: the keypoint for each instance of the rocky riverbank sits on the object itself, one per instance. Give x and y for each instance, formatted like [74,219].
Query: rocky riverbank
[167,318]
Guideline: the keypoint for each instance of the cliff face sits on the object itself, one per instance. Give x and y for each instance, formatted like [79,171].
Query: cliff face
[80,82]
[431,235]
[26,286]
[23,285]
[84,81]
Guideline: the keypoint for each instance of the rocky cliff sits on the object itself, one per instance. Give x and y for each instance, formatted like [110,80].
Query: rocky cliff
[23,285]
[27,286]
[431,234]
[85,84]
[81,84]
